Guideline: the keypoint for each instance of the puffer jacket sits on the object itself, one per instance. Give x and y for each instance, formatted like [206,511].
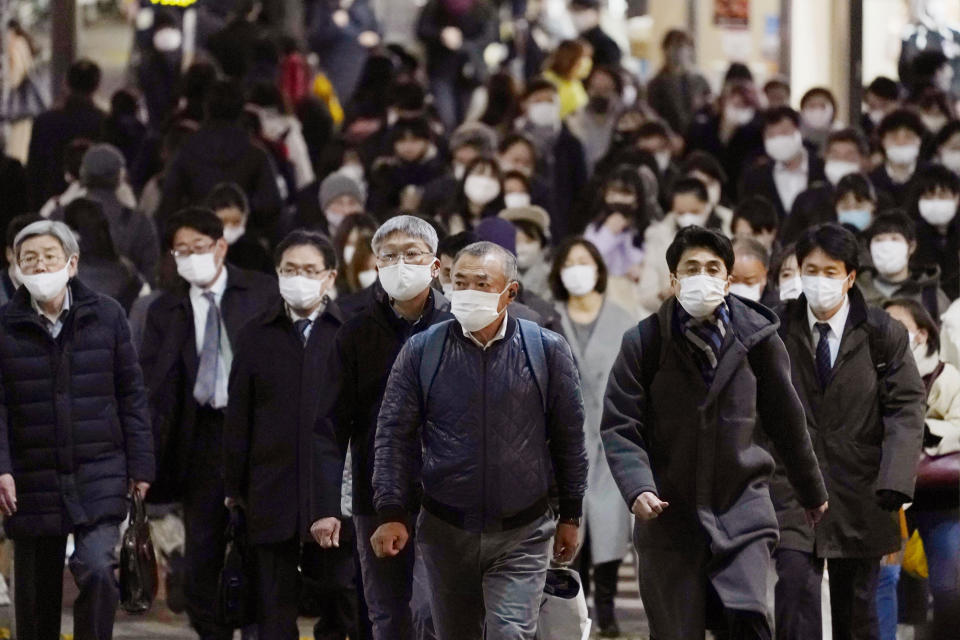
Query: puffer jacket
[487,445]
[74,425]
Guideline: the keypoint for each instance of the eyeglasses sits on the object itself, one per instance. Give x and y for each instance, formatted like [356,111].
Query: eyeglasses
[307,272]
[714,271]
[31,261]
[197,248]
[410,256]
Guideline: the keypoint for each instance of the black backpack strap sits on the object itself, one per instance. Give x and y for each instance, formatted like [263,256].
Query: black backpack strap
[536,357]
[436,338]
[649,350]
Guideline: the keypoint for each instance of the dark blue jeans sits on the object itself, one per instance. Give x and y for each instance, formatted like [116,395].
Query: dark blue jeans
[940,531]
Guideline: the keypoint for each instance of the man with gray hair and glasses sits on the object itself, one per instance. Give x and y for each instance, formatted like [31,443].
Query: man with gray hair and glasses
[403,304]
[483,411]
[75,435]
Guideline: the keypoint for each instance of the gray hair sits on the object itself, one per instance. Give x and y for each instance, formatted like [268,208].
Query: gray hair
[58,230]
[481,249]
[751,247]
[412,226]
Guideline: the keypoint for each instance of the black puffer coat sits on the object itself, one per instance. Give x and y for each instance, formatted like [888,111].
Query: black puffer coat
[487,445]
[74,425]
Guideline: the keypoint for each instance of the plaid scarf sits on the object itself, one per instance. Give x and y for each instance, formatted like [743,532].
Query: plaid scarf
[705,337]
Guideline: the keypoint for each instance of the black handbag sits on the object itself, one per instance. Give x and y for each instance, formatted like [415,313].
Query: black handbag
[24,101]
[138,561]
[236,595]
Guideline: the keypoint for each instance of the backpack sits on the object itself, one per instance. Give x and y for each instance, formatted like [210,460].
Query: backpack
[436,338]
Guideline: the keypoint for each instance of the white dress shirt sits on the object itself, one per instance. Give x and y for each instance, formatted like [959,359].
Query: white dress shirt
[501,334]
[791,182]
[837,324]
[201,307]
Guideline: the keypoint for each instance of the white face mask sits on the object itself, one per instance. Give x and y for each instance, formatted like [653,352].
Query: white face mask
[690,219]
[889,256]
[527,254]
[934,122]
[823,294]
[937,211]
[544,114]
[302,293]
[739,115]
[481,190]
[44,287]
[818,117]
[837,169]
[367,278]
[459,170]
[791,289]
[475,310]
[926,364]
[903,153]
[714,193]
[950,158]
[580,279]
[748,291]
[233,233]
[348,252]
[516,199]
[701,295]
[334,220]
[663,160]
[404,281]
[783,148]
[199,269]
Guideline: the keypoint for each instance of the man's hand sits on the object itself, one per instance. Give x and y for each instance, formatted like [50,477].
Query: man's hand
[140,485]
[326,532]
[648,506]
[565,543]
[389,539]
[815,515]
[8,495]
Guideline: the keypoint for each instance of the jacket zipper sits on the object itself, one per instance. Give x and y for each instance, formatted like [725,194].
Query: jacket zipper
[483,445]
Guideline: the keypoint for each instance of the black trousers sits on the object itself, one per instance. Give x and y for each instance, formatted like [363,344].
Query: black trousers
[205,522]
[602,581]
[853,589]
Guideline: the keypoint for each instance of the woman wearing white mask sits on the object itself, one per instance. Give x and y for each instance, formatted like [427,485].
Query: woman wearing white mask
[892,240]
[590,320]
[934,509]
[947,145]
[901,134]
[786,273]
[818,113]
[705,168]
[933,205]
[480,196]
[358,265]
[533,245]
[229,202]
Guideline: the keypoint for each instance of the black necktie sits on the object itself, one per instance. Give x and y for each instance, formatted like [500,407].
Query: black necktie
[824,366]
[301,326]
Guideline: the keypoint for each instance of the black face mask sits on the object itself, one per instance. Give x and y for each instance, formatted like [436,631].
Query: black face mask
[626,210]
[599,104]
[623,139]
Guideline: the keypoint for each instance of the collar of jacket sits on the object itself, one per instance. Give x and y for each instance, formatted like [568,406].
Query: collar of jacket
[19,310]
[457,332]
[278,313]
[750,321]
[237,280]
[384,314]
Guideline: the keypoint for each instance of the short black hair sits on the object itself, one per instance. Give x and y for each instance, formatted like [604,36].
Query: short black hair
[226,195]
[777,259]
[85,216]
[301,237]
[850,135]
[531,230]
[73,155]
[836,241]
[758,212]
[823,92]
[224,101]
[885,88]
[123,102]
[515,139]
[858,185]
[893,221]
[737,71]
[922,318]
[18,224]
[610,72]
[704,162]
[200,219]
[197,80]
[695,237]
[408,96]
[776,82]
[454,244]
[416,127]
[901,119]
[776,115]
[948,131]
[690,186]
[83,77]
[537,84]
[926,63]
[930,178]
[559,291]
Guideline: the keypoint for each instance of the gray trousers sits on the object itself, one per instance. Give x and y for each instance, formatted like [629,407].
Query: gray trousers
[485,585]
[395,588]
[38,589]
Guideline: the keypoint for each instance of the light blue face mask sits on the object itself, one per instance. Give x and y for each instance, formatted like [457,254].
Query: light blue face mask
[859,218]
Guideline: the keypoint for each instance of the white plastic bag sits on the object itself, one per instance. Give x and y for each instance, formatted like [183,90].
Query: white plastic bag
[563,609]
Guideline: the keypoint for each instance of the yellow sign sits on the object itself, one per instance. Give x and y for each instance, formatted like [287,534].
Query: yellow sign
[174,3]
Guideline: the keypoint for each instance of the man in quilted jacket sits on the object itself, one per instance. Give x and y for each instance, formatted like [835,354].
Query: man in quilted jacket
[494,405]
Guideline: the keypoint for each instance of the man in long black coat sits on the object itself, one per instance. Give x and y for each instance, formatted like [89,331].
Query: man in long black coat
[74,435]
[679,431]
[864,403]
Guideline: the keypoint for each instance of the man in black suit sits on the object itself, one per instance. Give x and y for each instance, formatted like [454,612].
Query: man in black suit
[791,167]
[186,356]
[53,130]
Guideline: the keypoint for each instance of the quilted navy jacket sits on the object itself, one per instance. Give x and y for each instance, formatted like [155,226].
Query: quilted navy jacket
[74,424]
[489,450]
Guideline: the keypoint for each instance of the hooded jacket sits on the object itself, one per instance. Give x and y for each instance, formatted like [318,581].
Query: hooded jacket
[923,286]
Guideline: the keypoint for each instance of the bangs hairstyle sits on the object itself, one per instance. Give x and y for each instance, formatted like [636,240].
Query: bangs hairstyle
[566,56]
[851,136]
[700,238]
[834,240]
[893,221]
[200,219]
[901,119]
[706,163]
[691,186]
[856,184]
[556,281]
[922,318]
[758,212]
[303,238]
[822,92]
[773,117]
[776,262]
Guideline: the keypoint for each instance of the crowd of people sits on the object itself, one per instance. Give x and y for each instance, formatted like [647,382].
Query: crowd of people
[432,320]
